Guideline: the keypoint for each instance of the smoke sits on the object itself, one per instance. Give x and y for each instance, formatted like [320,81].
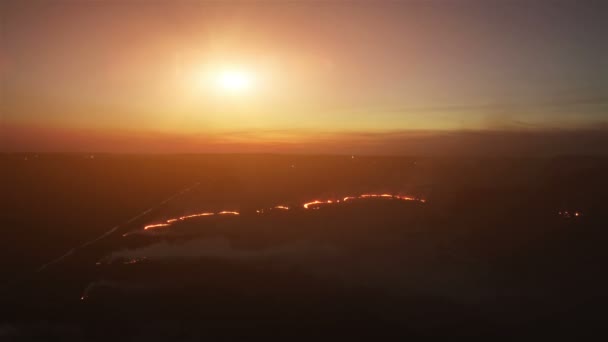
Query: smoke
[421,267]
[221,248]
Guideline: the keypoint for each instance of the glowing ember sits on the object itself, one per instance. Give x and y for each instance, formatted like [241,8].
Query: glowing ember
[134,261]
[316,203]
[569,214]
[377,195]
[309,205]
[193,216]
[228,213]
[158,225]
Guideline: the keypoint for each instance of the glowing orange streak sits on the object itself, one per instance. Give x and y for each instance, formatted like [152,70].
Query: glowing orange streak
[406,198]
[228,213]
[363,196]
[377,195]
[170,221]
[307,205]
[195,215]
[158,225]
[282,207]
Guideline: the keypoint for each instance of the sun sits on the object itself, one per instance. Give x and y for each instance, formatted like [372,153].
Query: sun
[228,80]
[234,80]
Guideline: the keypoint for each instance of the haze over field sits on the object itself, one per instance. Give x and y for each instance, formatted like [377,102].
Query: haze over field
[299,247]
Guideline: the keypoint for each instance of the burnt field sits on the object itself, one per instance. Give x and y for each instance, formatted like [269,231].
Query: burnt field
[234,246]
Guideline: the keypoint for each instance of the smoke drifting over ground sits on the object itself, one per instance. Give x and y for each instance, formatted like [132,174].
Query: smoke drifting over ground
[303,247]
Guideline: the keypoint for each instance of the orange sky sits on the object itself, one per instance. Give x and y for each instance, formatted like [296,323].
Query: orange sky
[133,76]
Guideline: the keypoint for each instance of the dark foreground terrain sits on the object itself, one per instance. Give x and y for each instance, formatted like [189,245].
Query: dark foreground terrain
[407,247]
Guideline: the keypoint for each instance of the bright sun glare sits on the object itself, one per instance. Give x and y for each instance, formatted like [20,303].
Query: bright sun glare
[234,80]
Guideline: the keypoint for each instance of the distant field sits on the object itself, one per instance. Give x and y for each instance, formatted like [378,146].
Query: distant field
[53,202]
[520,235]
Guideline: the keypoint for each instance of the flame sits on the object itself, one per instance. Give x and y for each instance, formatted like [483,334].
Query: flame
[377,195]
[156,225]
[314,204]
[181,218]
[309,205]
[228,213]
[192,216]
[569,214]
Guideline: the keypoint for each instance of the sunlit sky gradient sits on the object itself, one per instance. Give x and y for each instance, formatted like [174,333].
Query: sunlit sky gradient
[131,75]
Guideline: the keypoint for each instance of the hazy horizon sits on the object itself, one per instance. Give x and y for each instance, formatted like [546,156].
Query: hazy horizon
[302,77]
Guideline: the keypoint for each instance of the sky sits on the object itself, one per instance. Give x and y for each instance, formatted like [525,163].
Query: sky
[321,76]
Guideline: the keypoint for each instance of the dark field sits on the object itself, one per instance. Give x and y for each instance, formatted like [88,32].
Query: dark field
[499,246]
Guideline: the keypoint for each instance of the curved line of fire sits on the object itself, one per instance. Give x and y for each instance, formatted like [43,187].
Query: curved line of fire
[308,205]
